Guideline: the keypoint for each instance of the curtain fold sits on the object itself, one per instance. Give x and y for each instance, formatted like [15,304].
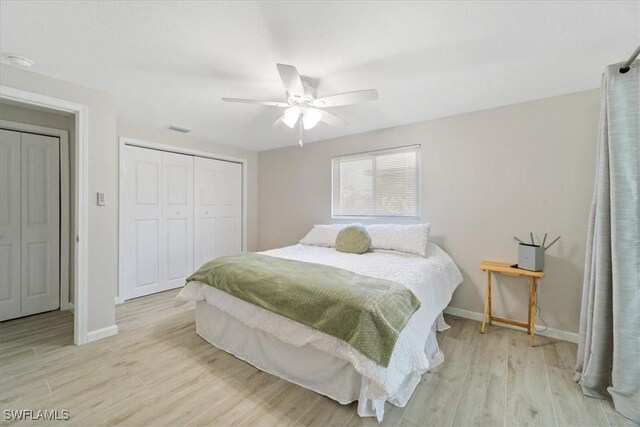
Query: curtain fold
[608,360]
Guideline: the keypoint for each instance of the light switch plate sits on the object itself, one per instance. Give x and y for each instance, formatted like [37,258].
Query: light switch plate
[101,199]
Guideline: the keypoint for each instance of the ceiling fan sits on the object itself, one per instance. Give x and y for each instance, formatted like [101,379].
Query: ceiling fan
[303,107]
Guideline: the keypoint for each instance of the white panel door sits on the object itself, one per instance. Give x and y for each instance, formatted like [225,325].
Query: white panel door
[10,242]
[230,208]
[180,211]
[218,209]
[40,212]
[142,221]
[206,193]
[177,219]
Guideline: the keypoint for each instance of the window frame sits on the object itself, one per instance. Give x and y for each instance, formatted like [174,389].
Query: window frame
[417,216]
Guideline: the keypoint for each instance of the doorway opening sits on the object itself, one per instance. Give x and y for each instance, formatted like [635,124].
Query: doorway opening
[35,233]
[74,186]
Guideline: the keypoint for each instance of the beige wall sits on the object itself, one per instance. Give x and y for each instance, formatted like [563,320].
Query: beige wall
[179,140]
[102,235]
[20,114]
[486,176]
[103,176]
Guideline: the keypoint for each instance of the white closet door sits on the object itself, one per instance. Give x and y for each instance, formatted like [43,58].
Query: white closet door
[177,219]
[206,190]
[180,211]
[230,208]
[10,252]
[40,214]
[142,227]
[218,209]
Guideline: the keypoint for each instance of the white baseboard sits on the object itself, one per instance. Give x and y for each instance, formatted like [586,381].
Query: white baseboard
[70,307]
[119,300]
[549,332]
[99,334]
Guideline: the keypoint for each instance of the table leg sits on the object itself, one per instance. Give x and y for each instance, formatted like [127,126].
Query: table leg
[487,303]
[532,309]
[489,292]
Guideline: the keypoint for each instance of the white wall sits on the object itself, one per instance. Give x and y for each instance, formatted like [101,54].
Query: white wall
[165,136]
[486,176]
[103,176]
[25,114]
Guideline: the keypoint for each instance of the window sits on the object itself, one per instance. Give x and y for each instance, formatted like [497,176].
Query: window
[377,183]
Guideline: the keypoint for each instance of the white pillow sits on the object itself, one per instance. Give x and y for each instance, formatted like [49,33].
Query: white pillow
[323,235]
[411,238]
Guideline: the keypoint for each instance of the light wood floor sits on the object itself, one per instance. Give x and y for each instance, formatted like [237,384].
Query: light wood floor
[157,371]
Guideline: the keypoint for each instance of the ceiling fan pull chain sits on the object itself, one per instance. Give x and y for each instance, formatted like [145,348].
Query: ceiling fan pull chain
[300,127]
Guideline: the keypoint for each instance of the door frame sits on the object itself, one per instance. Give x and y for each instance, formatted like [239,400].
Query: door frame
[124,141]
[81,209]
[63,137]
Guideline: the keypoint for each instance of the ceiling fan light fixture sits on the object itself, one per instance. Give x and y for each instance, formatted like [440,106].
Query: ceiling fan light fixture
[311,118]
[303,109]
[291,116]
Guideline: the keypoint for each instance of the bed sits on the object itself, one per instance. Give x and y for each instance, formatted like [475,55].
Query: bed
[323,363]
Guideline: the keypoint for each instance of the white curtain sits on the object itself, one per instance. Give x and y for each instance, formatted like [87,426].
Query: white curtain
[608,363]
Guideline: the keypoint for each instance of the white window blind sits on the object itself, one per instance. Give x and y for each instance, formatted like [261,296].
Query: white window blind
[377,183]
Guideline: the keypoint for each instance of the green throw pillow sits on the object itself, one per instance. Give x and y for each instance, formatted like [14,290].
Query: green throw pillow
[353,240]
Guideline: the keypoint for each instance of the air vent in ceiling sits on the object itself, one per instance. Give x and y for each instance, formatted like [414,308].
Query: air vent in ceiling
[179,129]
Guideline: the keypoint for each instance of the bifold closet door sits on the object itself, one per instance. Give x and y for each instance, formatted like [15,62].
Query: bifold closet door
[10,242]
[177,219]
[218,209]
[29,224]
[230,208]
[142,222]
[40,213]
[158,220]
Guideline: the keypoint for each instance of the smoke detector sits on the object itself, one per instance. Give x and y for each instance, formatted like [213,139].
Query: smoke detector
[20,61]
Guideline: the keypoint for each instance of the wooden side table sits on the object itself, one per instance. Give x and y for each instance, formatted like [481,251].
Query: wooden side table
[506,269]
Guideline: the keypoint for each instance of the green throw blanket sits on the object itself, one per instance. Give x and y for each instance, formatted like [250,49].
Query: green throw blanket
[365,312]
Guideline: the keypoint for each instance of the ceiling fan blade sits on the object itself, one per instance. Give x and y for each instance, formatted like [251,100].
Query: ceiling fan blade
[256,101]
[277,122]
[332,119]
[347,98]
[291,79]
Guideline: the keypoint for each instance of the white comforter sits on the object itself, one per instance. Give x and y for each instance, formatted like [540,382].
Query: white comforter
[432,279]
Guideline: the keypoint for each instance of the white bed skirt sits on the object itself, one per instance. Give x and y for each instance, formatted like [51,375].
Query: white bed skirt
[306,366]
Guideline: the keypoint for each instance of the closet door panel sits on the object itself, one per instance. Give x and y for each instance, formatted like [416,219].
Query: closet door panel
[147,235]
[142,223]
[178,266]
[177,217]
[10,242]
[230,237]
[231,190]
[208,248]
[40,185]
[230,208]
[206,190]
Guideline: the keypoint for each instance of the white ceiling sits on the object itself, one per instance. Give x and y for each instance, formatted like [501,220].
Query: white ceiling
[170,62]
